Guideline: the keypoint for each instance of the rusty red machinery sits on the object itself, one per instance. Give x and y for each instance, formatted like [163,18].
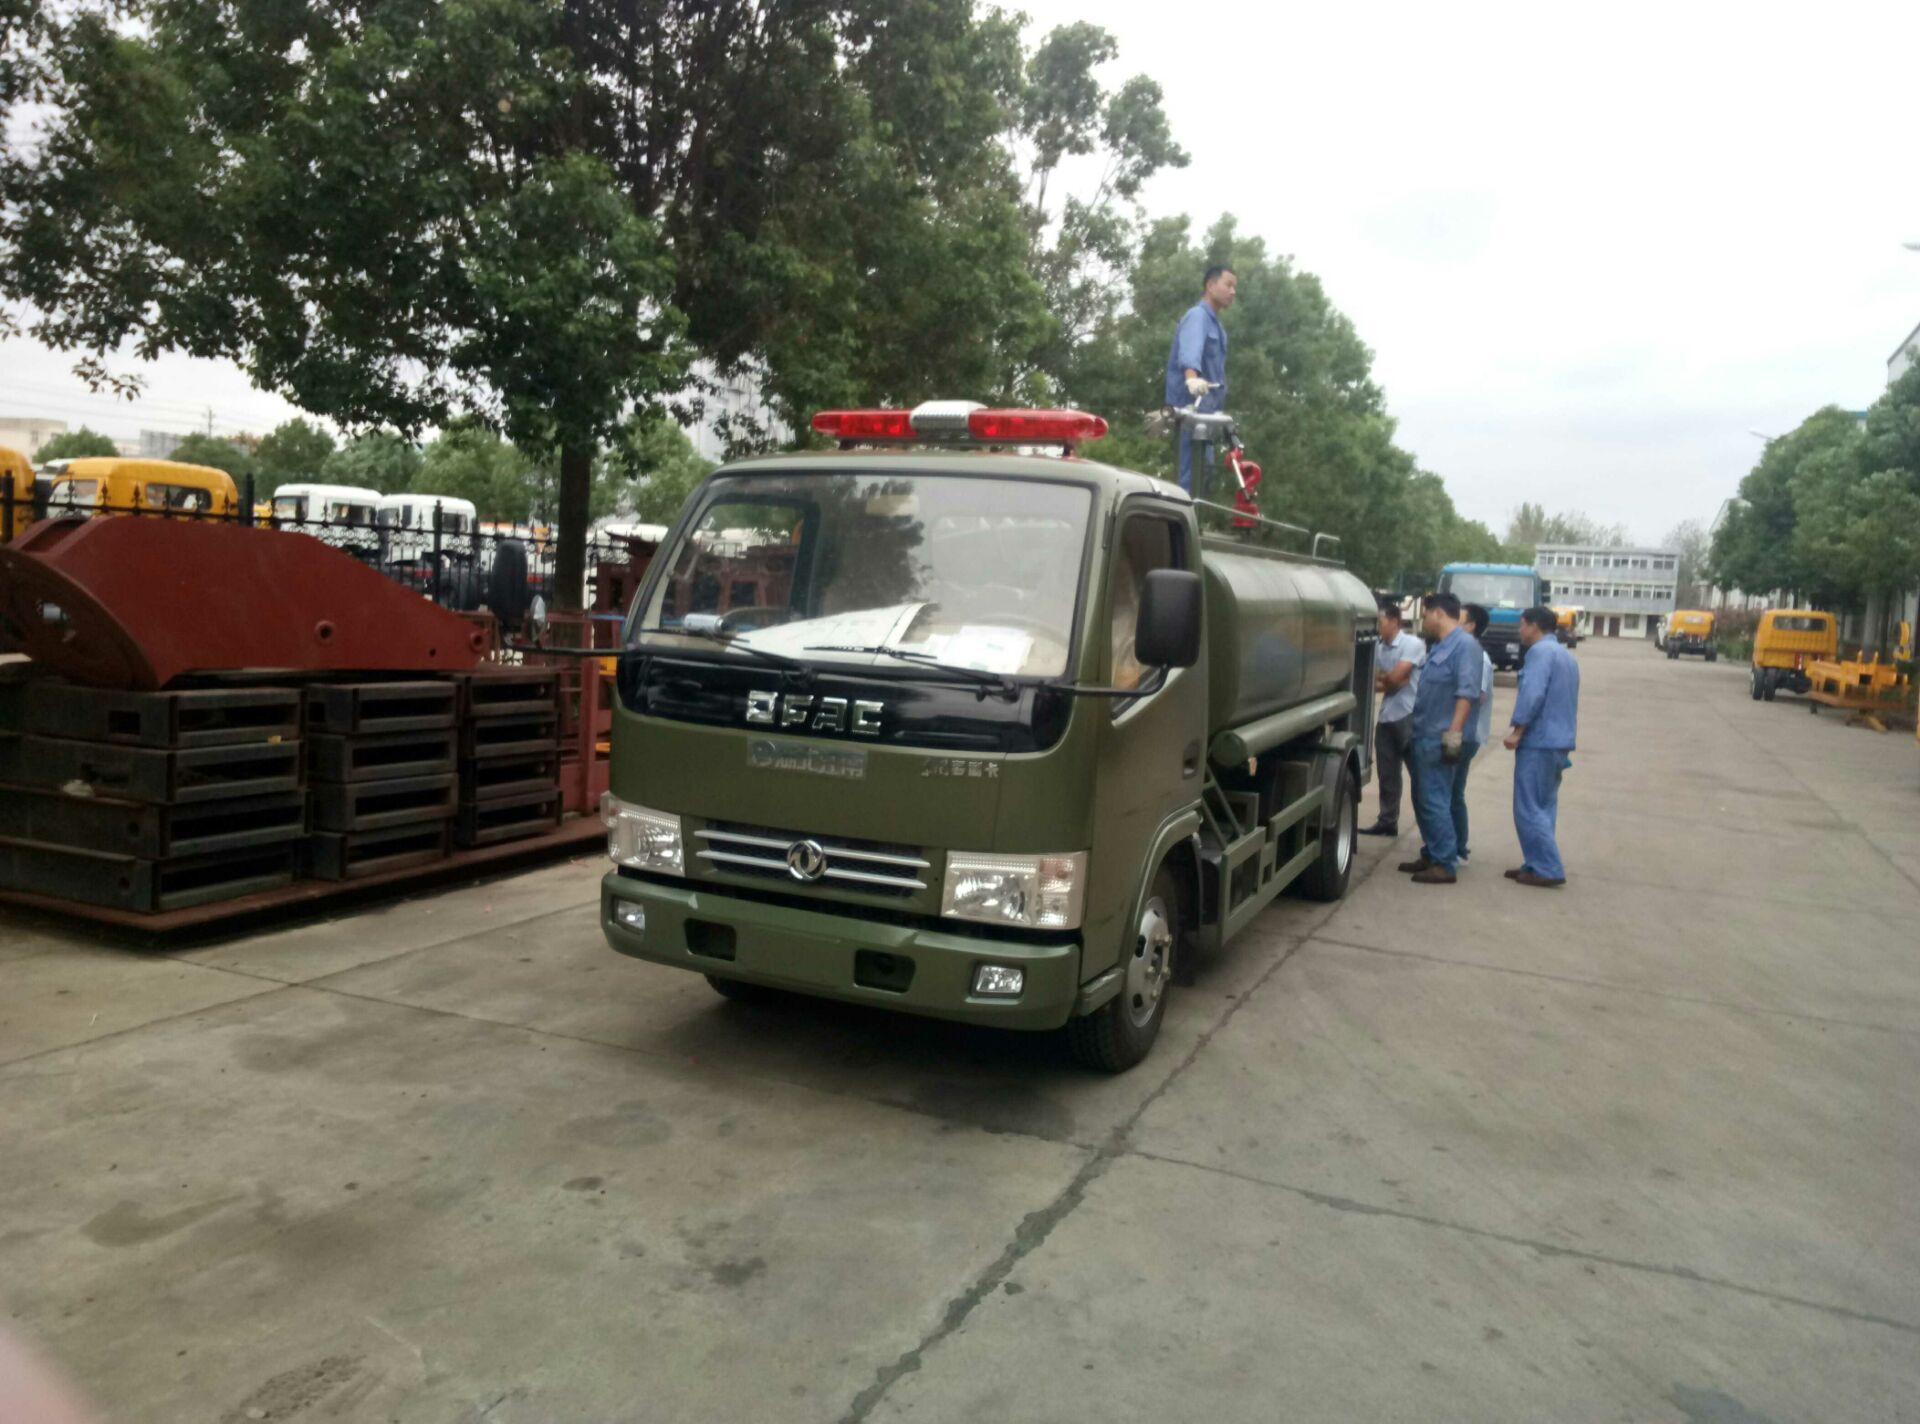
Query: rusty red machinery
[140,603]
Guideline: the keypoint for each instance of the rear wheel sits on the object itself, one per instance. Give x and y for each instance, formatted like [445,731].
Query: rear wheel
[1713,655]
[1753,684]
[1768,686]
[1327,877]
[1121,1031]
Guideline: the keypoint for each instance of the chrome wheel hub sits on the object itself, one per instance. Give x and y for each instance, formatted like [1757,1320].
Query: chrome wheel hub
[1151,964]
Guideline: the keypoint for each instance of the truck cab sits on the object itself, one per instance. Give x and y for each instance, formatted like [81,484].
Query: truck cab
[1690,631]
[345,516]
[941,723]
[108,484]
[1505,591]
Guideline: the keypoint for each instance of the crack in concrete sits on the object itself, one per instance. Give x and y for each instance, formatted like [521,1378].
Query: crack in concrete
[1544,1248]
[1037,1226]
[1759,1011]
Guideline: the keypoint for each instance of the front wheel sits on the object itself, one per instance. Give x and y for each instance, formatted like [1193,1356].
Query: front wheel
[1713,655]
[1327,877]
[1121,1031]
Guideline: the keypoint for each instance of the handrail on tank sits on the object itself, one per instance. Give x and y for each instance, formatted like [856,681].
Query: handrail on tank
[1242,518]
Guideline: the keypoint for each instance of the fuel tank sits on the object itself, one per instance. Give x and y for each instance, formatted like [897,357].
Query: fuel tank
[1280,630]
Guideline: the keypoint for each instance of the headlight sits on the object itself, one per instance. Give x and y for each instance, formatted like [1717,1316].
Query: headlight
[1040,892]
[641,838]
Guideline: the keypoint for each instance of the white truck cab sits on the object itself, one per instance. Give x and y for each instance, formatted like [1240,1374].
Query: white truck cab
[345,516]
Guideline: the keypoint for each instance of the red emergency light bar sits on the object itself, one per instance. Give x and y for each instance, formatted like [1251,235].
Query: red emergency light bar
[947,420]
[865,424]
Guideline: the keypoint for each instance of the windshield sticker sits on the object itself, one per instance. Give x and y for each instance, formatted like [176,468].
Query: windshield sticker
[988,649]
[764,754]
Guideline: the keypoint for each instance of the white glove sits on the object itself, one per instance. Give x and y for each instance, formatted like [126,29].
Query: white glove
[1198,386]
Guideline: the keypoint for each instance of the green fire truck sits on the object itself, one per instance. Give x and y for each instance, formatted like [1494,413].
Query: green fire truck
[953,721]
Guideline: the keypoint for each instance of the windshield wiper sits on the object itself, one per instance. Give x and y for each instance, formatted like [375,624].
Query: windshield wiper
[992,681]
[734,640]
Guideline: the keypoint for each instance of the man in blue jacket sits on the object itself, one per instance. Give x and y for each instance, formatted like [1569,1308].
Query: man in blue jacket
[1197,364]
[1542,742]
[1442,711]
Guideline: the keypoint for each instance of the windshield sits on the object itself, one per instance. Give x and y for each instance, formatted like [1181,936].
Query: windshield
[290,506]
[76,491]
[1493,590]
[976,573]
[354,513]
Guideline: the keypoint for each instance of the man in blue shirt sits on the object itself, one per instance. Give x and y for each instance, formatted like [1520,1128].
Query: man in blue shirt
[1450,682]
[1197,365]
[1480,729]
[1542,742]
[1396,677]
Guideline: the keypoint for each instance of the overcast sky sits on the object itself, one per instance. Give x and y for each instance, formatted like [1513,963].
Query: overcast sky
[1591,247]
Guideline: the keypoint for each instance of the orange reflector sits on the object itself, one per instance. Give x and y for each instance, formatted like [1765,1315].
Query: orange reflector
[1035,427]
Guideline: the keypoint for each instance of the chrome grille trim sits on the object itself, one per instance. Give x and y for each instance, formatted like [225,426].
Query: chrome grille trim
[858,867]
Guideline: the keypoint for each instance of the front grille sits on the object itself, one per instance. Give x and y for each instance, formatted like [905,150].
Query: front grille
[869,865]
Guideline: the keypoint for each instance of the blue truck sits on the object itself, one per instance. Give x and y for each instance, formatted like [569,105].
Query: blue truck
[1505,591]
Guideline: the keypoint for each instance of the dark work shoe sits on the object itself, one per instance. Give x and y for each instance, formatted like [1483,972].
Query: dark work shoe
[1516,872]
[1414,867]
[1539,882]
[1434,875]
[1380,828]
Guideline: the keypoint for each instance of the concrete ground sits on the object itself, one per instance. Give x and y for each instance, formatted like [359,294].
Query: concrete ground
[1645,1148]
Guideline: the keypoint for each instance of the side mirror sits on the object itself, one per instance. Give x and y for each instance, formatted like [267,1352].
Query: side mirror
[1168,632]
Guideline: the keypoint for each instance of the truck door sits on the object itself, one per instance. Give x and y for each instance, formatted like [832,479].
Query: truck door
[1153,751]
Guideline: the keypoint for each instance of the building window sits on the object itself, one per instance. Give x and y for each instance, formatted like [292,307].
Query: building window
[1632,623]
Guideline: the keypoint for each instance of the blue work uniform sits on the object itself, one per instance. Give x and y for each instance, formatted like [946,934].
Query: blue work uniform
[1452,671]
[1479,731]
[1199,344]
[1548,706]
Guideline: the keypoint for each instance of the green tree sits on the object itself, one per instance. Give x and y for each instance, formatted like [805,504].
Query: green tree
[470,462]
[1755,548]
[200,448]
[376,459]
[292,452]
[75,445]
[1689,540]
[1531,526]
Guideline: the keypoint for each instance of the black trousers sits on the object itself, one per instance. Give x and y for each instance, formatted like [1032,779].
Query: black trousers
[1390,743]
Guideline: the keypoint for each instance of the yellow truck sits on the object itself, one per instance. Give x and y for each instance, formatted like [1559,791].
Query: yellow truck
[1690,630]
[1784,643]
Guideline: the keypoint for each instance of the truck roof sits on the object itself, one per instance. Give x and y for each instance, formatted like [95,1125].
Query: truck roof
[994,464]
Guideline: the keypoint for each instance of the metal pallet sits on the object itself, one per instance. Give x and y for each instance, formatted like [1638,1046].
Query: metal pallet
[353,857]
[151,832]
[195,718]
[152,774]
[489,737]
[122,882]
[508,692]
[490,778]
[374,758]
[364,708]
[529,813]
[373,805]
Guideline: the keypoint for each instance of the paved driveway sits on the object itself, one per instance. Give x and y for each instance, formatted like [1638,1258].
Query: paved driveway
[1642,1149]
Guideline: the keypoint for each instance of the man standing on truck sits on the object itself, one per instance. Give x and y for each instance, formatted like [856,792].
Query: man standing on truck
[1449,690]
[1396,678]
[1542,743]
[1197,365]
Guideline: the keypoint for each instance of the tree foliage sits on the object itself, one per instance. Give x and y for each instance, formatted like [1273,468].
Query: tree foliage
[1531,526]
[375,459]
[1689,540]
[75,445]
[200,448]
[292,452]
[1831,511]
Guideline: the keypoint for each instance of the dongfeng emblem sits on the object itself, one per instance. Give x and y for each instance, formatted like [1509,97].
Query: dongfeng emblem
[806,861]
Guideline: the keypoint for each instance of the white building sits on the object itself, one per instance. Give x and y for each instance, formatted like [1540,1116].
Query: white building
[736,398]
[1904,355]
[27,433]
[1621,593]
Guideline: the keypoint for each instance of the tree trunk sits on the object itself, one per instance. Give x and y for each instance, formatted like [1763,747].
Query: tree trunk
[570,555]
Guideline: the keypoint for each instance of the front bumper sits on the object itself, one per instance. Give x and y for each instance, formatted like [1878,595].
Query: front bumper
[829,954]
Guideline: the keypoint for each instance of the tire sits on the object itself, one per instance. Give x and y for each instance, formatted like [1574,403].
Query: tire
[1753,682]
[1768,685]
[739,990]
[1673,655]
[1713,655]
[1327,877]
[1122,1031]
